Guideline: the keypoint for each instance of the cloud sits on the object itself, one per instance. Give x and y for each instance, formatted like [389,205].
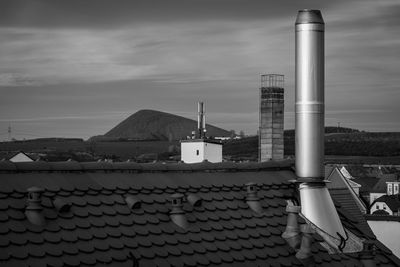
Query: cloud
[111,15]
[37,57]
[75,57]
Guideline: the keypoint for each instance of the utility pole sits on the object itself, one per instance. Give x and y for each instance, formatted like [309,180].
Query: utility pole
[9,132]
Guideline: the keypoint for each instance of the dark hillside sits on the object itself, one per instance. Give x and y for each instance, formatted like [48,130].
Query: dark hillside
[346,143]
[157,125]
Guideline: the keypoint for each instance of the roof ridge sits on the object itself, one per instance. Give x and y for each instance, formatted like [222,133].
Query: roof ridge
[8,166]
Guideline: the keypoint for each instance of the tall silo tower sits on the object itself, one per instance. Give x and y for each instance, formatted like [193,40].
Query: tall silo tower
[271,117]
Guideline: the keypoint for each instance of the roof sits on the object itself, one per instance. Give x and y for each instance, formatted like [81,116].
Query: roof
[210,141]
[101,229]
[341,192]
[367,183]
[382,217]
[336,179]
[381,212]
[345,172]
[380,186]
[392,201]
[344,198]
[361,171]
[27,157]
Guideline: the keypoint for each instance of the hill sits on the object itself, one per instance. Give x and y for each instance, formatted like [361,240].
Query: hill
[157,125]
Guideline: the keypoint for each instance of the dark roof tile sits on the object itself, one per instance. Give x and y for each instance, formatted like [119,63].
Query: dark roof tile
[198,248]
[237,257]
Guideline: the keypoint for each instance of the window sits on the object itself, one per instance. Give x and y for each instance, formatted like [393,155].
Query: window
[395,189]
[389,189]
[197,152]
[377,206]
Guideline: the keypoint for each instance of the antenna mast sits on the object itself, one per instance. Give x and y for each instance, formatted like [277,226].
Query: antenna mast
[201,120]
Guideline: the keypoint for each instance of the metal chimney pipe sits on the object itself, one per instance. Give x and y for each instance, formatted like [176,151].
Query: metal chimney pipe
[316,204]
[310,78]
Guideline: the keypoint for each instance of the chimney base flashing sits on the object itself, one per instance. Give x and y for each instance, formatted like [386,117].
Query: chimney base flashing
[313,180]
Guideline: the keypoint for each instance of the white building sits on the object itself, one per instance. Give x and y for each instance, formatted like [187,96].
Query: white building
[198,150]
[387,203]
[392,187]
[388,185]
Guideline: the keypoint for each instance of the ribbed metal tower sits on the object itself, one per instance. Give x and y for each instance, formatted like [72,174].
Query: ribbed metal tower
[271,117]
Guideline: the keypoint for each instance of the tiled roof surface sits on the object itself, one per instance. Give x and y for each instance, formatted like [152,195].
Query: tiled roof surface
[345,200]
[342,188]
[100,229]
[381,186]
[367,183]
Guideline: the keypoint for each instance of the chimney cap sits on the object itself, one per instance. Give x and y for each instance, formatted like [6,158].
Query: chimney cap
[177,196]
[306,16]
[251,189]
[35,189]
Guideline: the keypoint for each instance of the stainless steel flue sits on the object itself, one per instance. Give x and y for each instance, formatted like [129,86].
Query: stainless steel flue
[316,204]
[309,108]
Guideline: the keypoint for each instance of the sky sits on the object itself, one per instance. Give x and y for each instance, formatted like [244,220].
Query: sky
[76,68]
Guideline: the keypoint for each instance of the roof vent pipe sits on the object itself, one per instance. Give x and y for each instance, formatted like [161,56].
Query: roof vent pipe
[252,199]
[292,231]
[194,200]
[177,214]
[305,254]
[61,205]
[33,211]
[316,204]
[368,254]
[133,203]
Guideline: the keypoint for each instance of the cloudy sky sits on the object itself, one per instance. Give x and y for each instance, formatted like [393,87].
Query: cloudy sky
[76,68]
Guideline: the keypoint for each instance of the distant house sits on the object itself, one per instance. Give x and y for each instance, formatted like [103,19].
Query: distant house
[385,186]
[21,157]
[392,187]
[388,203]
[198,150]
[367,185]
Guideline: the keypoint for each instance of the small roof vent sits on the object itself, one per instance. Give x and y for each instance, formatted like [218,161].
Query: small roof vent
[177,214]
[133,203]
[33,211]
[304,254]
[368,253]
[292,231]
[61,205]
[194,200]
[252,199]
